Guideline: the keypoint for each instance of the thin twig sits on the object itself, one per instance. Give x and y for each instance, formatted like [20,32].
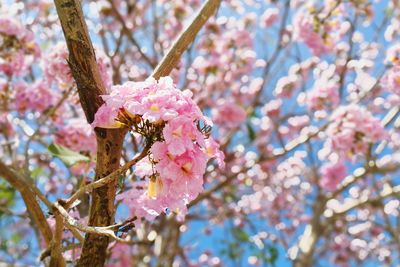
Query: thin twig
[99,230]
[111,177]
[129,34]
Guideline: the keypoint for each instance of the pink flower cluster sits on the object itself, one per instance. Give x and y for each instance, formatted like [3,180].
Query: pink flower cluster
[17,47]
[34,97]
[303,23]
[351,130]
[285,189]
[269,17]
[229,114]
[319,31]
[324,94]
[332,174]
[178,158]
[76,135]
[391,80]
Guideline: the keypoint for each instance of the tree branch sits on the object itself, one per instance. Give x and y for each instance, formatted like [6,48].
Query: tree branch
[128,33]
[180,45]
[35,212]
[85,71]
[82,59]
[105,231]
[388,191]
[109,178]
[56,258]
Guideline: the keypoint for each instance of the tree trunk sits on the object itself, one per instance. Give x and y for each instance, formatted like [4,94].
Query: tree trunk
[84,68]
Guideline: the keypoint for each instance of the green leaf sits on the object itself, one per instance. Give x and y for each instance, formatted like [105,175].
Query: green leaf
[7,193]
[66,155]
[273,251]
[252,133]
[16,238]
[241,235]
[36,172]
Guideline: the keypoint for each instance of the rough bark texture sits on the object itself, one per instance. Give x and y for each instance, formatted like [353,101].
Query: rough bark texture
[82,58]
[109,147]
[86,73]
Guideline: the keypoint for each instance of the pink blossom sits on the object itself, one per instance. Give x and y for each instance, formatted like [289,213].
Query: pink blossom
[178,160]
[189,165]
[303,23]
[297,123]
[121,255]
[77,135]
[332,174]
[391,80]
[325,94]
[154,101]
[320,36]
[180,133]
[144,168]
[286,86]
[35,97]
[21,50]
[229,115]
[105,117]
[273,108]
[351,130]
[212,150]
[269,17]
[393,54]
[56,67]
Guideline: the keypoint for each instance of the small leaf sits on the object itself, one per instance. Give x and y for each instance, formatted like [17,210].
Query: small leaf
[252,133]
[66,155]
[274,254]
[35,173]
[241,235]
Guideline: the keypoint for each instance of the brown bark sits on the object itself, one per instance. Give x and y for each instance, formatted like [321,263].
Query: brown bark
[34,210]
[82,60]
[57,259]
[109,147]
[86,73]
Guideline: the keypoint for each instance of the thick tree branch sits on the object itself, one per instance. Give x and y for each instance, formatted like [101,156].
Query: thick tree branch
[85,71]
[82,59]
[35,212]
[180,45]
